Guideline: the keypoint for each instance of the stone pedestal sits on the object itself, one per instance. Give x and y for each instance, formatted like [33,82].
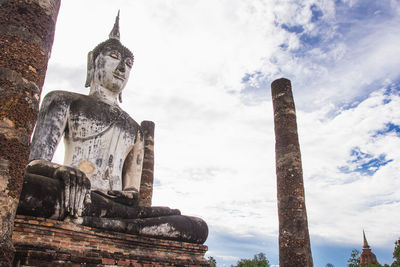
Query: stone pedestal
[45,242]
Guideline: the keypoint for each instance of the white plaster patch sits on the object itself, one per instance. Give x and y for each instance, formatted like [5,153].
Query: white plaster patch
[160,230]
[103,213]
[86,166]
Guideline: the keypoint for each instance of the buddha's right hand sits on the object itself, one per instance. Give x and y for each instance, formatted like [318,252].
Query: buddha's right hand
[76,189]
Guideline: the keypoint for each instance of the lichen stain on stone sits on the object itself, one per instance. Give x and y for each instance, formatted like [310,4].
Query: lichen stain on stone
[32,69]
[6,83]
[50,7]
[23,57]
[7,206]
[160,230]
[30,15]
[17,110]
[17,156]
[8,123]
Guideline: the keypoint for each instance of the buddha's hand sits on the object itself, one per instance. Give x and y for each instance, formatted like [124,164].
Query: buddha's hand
[76,189]
[129,198]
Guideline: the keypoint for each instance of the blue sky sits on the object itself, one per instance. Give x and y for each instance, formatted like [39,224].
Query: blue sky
[203,71]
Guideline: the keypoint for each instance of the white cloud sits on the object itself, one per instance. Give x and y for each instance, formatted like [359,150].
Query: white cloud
[341,204]
[214,152]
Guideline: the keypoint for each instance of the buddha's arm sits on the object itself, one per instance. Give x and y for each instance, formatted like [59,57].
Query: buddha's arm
[132,170]
[131,174]
[50,125]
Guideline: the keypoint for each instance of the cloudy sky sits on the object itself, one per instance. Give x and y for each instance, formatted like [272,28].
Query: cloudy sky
[202,73]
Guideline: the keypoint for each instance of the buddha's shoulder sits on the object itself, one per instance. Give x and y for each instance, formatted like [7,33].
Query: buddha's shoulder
[63,96]
[127,120]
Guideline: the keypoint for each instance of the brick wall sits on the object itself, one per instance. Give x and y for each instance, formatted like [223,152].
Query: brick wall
[45,242]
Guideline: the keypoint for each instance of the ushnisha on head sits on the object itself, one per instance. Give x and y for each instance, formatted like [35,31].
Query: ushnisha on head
[110,63]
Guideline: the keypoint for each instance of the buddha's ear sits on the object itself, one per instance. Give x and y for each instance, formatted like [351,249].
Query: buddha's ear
[90,69]
[120,97]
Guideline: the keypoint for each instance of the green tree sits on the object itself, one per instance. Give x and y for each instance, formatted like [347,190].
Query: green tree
[212,261]
[329,265]
[354,260]
[396,254]
[259,260]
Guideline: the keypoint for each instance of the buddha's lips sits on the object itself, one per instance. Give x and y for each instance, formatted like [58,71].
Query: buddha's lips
[119,77]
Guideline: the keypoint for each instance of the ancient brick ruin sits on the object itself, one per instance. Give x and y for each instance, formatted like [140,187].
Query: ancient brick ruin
[146,185]
[26,37]
[45,242]
[367,257]
[294,240]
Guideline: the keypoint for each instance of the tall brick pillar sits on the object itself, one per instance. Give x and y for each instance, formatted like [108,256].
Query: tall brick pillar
[26,37]
[146,185]
[294,240]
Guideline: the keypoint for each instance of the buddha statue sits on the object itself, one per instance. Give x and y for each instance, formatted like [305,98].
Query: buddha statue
[98,184]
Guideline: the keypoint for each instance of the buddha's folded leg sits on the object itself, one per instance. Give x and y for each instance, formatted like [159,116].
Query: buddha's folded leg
[43,197]
[176,227]
[102,206]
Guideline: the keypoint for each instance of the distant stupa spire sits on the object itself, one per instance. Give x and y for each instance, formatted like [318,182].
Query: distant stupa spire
[367,257]
[114,34]
[365,241]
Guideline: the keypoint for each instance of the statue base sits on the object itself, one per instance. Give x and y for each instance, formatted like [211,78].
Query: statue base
[46,242]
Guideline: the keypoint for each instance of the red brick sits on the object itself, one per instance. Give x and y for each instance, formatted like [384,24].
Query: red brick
[123,263]
[90,246]
[107,261]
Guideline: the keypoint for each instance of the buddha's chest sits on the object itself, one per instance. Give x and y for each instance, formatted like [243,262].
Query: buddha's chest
[98,138]
[88,119]
[99,125]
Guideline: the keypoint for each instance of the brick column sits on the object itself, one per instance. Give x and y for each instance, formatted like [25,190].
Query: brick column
[26,37]
[294,240]
[146,184]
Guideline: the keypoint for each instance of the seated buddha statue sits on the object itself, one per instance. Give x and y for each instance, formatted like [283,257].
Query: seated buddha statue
[98,185]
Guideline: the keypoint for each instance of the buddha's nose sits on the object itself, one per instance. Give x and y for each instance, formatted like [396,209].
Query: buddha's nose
[121,66]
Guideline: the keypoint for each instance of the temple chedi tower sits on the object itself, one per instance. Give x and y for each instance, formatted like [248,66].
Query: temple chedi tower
[367,257]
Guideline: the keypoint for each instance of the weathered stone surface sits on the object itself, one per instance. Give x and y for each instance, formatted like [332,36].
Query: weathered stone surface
[104,145]
[146,185]
[32,18]
[294,241]
[26,38]
[45,242]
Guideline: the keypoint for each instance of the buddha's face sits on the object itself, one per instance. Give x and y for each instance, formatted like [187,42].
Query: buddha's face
[112,69]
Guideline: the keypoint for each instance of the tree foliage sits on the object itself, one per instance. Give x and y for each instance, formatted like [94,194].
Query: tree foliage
[259,260]
[396,254]
[212,261]
[354,260]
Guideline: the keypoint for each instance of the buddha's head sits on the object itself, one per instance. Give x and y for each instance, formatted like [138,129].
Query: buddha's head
[110,63]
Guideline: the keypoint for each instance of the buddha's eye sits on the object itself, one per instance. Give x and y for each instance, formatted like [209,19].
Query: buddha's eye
[129,62]
[114,54]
